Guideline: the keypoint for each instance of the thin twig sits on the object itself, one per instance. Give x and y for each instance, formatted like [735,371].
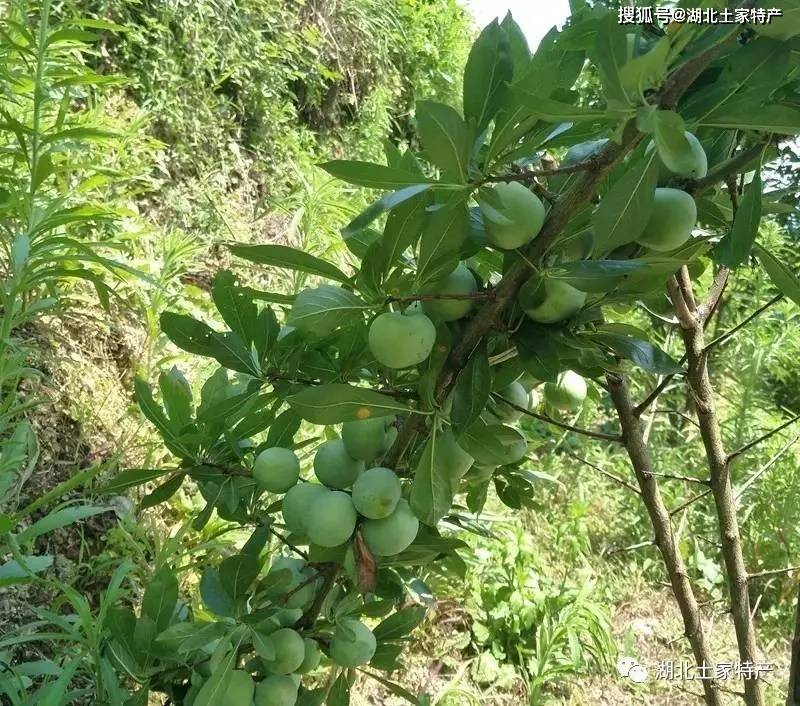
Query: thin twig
[607,474]
[286,542]
[690,501]
[761,471]
[630,548]
[688,479]
[773,572]
[616,438]
[474,296]
[678,413]
[762,438]
[725,336]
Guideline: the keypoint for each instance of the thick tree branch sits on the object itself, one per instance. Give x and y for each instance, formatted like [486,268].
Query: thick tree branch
[793,697]
[721,488]
[664,537]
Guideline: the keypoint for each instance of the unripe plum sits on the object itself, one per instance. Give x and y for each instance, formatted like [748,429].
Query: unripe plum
[523,216]
[399,340]
[276,469]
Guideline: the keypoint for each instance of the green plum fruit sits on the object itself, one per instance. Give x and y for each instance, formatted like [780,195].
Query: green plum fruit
[516,394]
[332,519]
[376,493]
[671,222]
[276,469]
[296,503]
[275,690]
[312,656]
[399,340]
[290,651]
[567,393]
[460,281]
[240,688]
[515,216]
[561,300]
[335,467]
[393,534]
[690,162]
[368,439]
[353,643]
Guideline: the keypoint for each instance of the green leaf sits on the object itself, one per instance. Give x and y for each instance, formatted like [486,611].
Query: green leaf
[57,520]
[610,54]
[12,572]
[154,412]
[554,111]
[131,478]
[196,337]
[383,204]
[163,492]
[432,490]
[445,139]
[160,598]
[283,429]
[780,274]
[400,624]
[489,69]
[670,140]
[472,390]
[642,353]
[624,211]
[289,258]
[595,276]
[212,693]
[373,176]
[518,42]
[236,575]
[339,695]
[335,403]
[403,228]
[779,119]
[492,444]
[177,396]
[214,596]
[646,71]
[735,247]
[237,308]
[324,309]
[445,231]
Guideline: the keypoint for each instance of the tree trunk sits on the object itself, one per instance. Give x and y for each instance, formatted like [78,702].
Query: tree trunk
[664,537]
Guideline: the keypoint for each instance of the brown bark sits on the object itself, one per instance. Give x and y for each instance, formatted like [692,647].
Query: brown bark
[664,537]
[692,329]
[793,697]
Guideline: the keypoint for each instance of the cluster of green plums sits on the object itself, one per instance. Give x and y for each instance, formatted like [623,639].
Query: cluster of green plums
[515,217]
[347,494]
[292,655]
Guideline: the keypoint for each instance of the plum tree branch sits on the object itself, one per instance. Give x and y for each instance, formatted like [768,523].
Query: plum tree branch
[762,438]
[664,537]
[727,334]
[616,438]
[607,474]
[475,296]
[793,696]
[699,381]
